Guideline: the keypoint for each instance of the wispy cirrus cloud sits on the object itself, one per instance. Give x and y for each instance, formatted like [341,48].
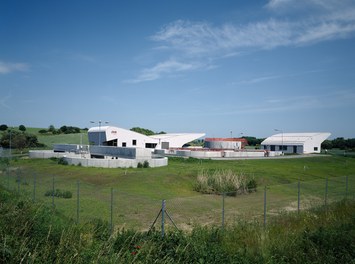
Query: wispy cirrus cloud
[189,41]
[4,101]
[201,38]
[264,78]
[341,98]
[167,67]
[9,67]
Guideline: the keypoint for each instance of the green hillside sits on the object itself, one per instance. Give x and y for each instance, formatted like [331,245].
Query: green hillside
[50,139]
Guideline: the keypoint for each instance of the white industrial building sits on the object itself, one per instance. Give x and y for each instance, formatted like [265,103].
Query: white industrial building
[297,143]
[119,137]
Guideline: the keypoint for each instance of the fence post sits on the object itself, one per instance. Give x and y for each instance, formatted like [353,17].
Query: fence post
[18,182]
[162,218]
[298,196]
[265,207]
[77,201]
[111,220]
[8,178]
[53,191]
[326,192]
[346,187]
[34,187]
[223,197]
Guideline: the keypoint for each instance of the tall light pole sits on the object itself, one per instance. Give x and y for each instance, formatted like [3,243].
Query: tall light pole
[282,139]
[99,129]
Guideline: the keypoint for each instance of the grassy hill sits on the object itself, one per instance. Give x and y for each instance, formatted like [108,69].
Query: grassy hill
[49,139]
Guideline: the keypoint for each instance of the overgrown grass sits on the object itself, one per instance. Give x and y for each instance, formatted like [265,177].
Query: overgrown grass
[137,193]
[223,181]
[33,233]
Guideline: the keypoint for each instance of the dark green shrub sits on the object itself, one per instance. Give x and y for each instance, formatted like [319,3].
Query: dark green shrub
[251,185]
[145,164]
[140,165]
[55,159]
[43,131]
[59,193]
[62,161]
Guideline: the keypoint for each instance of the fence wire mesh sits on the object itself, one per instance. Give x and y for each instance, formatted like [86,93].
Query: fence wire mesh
[85,202]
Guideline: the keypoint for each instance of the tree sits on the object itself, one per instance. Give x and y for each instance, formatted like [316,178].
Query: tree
[51,128]
[339,143]
[19,140]
[143,131]
[3,127]
[63,129]
[22,128]
[327,144]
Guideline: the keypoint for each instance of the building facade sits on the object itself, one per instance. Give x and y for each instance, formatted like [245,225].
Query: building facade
[295,143]
[119,137]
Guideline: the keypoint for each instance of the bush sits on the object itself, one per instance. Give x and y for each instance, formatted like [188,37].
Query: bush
[145,164]
[251,185]
[43,131]
[22,128]
[62,161]
[224,181]
[139,165]
[3,127]
[59,193]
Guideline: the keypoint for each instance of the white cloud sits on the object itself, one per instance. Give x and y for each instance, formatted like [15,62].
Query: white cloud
[196,44]
[167,67]
[4,101]
[8,67]
[292,5]
[201,38]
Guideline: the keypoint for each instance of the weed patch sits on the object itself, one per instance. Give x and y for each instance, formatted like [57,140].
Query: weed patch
[223,181]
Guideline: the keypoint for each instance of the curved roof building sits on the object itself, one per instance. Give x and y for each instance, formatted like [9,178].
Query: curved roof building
[301,143]
[115,136]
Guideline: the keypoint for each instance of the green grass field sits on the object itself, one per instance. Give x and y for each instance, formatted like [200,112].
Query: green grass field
[137,193]
[49,139]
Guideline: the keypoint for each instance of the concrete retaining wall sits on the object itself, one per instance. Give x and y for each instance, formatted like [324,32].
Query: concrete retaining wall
[46,154]
[85,161]
[115,163]
[205,154]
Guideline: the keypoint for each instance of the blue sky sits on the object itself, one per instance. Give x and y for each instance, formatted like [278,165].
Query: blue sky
[180,66]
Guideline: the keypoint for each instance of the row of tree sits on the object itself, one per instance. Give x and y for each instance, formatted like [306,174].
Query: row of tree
[4,127]
[19,140]
[339,143]
[253,141]
[62,130]
[145,131]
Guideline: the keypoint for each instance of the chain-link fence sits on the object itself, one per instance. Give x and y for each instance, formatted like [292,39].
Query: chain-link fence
[84,202]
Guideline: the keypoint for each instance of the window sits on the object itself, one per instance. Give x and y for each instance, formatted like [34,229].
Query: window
[134,142]
[124,144]
[150,145]
[315,148]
